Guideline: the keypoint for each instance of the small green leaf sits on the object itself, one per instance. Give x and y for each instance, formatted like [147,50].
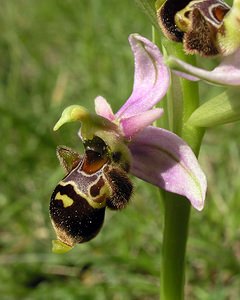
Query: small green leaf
[222,109]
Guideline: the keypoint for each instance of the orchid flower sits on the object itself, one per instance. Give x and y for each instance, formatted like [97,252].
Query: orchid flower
[226,41]
[116,144]
[158,156]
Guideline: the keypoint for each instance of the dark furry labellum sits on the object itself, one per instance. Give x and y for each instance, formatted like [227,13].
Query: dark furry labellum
[94,181]
[195,23]
[166,19]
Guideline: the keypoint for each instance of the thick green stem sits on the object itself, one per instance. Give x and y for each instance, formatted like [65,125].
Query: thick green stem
[175,233]
[176,218]
[183,99]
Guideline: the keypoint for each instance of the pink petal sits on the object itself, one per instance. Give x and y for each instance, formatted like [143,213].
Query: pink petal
[151,79]
[103,108]
[132,125]
[162,158]
[227,73]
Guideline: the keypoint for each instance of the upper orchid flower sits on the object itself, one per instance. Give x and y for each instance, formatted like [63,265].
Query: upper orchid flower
[207,28]
[116,144]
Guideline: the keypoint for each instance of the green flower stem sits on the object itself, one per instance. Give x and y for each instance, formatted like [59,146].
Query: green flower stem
[183,99]
[176,219]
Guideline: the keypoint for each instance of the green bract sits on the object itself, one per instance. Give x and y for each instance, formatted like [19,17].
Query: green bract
[222,109]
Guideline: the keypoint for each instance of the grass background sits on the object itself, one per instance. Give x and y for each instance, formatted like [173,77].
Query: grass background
[56,53]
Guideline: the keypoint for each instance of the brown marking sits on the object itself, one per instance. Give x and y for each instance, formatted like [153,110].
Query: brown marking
[96,188]
[100,199]
[219,12]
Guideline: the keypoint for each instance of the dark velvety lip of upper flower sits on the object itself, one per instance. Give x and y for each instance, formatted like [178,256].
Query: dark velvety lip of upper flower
[166,18]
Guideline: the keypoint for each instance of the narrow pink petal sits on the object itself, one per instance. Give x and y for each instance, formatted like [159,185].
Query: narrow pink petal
[151,79]
[162,158]
[132,125]
[103,108]
[227,73]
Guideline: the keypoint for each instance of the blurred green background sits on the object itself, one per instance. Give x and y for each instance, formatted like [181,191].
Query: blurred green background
[56,53]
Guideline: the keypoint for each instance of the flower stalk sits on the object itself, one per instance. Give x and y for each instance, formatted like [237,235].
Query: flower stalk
[176,219]
[183,99]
